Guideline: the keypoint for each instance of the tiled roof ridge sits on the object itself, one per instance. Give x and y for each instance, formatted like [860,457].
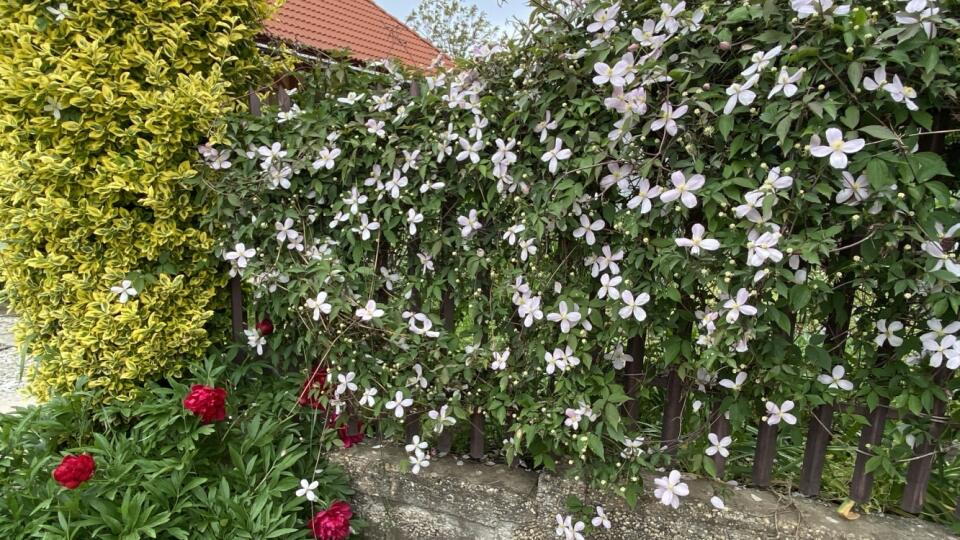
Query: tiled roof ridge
[362,27]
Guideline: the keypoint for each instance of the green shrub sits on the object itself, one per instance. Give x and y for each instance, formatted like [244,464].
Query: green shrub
[102,107]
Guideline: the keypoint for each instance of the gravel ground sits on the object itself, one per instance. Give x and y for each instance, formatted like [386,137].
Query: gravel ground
[10,383]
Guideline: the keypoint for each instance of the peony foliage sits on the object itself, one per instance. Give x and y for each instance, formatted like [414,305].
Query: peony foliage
[753,196]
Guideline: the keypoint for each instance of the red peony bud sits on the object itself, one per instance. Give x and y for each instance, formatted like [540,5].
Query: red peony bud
[333,523]
[74,470]
[207,403]
[265,327]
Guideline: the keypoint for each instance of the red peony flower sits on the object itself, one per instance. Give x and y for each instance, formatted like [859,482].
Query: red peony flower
[313,388]
[265,327]
[207,403]
[74,470]
[333,523]
[343,431]
[350,440]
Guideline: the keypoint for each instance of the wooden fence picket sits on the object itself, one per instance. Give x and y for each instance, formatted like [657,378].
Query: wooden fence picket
[672,413]
[476,435]
[720,426]
[815,451]
[918,473]
[633,375]
[821,421]
[861,485]
[765,454]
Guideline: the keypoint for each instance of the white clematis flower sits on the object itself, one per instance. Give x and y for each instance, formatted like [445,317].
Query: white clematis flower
[836,148]
[718,445]
[366,227]
[500,360]
[608,287]
[556,155]
[696,242]
[740,93]
[737,384]
[566,317]
[738,306]
[760,60]
[240,255]
[413,218]
[398,403]
[668,118]
[125,291]
[901,94]
[369,311]
[419,460]
[887,333]
[670,489]
[777,413]
[835,379]
[854,191]
[587,229]
[307,490]
[319,305]
[326,159]
[683,189]
[604,20]
[469,224]
[633,305]
[786,82]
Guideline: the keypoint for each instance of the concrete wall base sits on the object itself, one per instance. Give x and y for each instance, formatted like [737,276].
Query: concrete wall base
[473,501]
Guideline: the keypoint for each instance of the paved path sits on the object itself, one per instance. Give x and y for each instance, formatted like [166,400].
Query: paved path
[10,383]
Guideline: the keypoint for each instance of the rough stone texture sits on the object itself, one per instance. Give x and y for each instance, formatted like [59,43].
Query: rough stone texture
[448,501]
[10,381]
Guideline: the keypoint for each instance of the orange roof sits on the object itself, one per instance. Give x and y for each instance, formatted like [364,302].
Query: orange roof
[360,26]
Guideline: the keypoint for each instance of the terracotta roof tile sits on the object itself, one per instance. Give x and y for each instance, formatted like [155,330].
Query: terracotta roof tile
[360,26]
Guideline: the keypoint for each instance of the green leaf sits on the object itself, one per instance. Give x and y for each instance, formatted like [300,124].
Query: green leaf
[725,125]
[799,296]
[855,74]
[611,415]
[926,165]
[595,444]
[878,174]
[914,404]
[783,128]
[851,117]
[873,399]
[780,318]
[880,132]
[931,57]
[709,466]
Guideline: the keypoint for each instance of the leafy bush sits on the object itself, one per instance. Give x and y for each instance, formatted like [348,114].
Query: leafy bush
[103,102]
[748,196]
[161,472]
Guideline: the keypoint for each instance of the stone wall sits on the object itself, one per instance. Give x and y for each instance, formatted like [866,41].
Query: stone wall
[453,500]
[11,366]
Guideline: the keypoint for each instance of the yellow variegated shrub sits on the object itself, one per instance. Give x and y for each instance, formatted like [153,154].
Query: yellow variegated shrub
[102,105]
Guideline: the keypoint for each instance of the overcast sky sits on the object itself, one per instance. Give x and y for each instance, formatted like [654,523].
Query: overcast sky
[497,15]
